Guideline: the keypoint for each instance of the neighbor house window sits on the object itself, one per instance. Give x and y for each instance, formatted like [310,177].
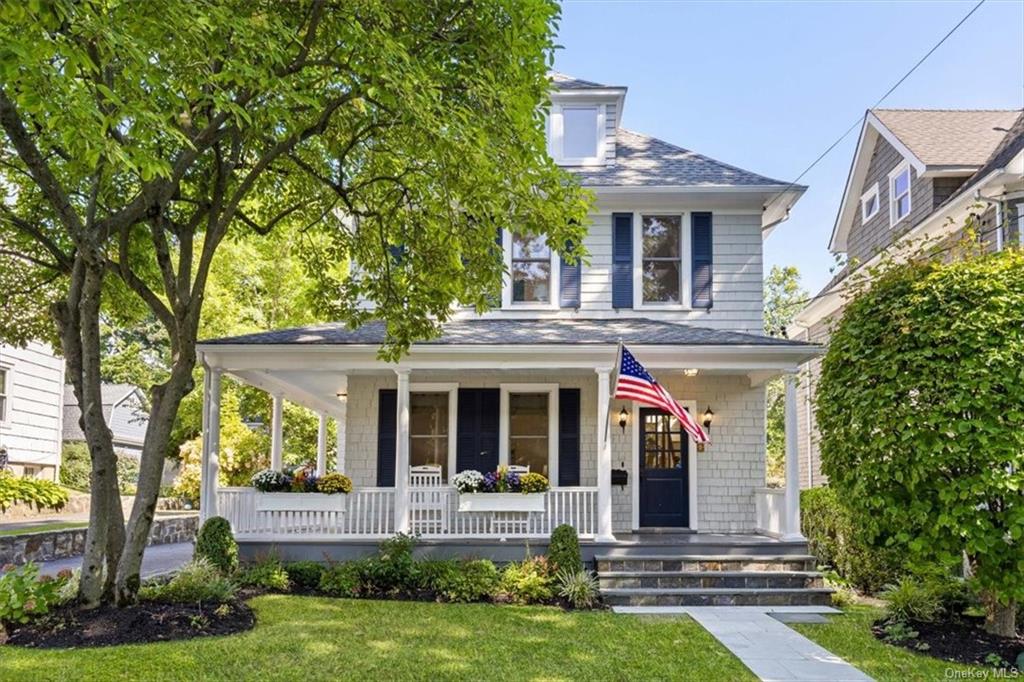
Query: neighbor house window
[4,379]
[899,194]
[428,430]
[662,258]
[531,269]
[869,204]
[528,425]
[579,132]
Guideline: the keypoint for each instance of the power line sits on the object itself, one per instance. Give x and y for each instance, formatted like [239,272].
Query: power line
[880,100]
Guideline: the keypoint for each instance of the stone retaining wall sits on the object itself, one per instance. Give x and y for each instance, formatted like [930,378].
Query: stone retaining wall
[61,544]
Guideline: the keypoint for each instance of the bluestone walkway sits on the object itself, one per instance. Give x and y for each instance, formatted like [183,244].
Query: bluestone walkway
[772,651]
[157,560]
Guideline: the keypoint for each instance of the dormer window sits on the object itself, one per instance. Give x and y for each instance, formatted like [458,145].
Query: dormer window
[576,134]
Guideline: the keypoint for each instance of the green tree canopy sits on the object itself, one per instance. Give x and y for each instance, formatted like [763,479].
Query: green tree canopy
[401,134]
[921,411]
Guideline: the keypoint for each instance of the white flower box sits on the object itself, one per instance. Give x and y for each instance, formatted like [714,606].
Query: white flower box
[267,502]
[501,502]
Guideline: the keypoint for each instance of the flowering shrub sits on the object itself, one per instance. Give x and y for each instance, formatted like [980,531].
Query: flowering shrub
[533,483]
[500,481]
[334,483]
[469,481]
[270,481]
[24,594]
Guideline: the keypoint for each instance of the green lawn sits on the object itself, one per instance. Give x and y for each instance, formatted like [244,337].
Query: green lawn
[39,528]
[306,638]
[849,636]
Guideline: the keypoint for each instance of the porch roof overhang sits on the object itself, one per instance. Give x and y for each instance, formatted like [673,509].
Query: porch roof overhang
[310,366]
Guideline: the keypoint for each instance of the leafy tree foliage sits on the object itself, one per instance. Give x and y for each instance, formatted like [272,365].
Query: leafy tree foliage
[921,412]
[401,135]
[783,299]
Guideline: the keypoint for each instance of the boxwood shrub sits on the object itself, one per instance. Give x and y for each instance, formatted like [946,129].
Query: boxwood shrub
[216,544]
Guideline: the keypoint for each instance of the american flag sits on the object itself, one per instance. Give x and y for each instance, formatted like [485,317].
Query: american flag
[634,383]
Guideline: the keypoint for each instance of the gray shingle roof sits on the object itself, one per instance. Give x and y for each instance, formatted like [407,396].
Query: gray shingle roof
[566,82]
[642,160]
[519,332]
[949,137]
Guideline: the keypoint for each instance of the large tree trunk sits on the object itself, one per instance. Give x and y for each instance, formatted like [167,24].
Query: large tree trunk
[1000,619]
[166,399]
[78,322]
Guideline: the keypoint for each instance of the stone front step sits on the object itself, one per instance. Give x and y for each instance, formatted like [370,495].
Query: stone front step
[790,580]
[717,597]
[729,563]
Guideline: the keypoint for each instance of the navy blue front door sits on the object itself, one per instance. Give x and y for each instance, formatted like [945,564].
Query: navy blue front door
[664,478]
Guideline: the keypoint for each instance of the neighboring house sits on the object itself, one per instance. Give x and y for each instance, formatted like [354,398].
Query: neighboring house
[31,386]
[125,409]
[675,272]
[915,174]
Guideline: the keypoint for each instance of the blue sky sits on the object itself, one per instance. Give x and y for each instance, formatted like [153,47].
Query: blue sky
[768,86]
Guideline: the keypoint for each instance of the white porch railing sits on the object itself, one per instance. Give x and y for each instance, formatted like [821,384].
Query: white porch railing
[433,513]
[771,511]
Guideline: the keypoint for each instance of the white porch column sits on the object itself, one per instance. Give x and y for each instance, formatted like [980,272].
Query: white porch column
[402,454]
[340,426]
[792,520]
[211,445]
[604,458]
[277,433]
[321,446]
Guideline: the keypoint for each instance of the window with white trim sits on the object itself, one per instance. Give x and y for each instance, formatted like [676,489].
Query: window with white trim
[4,389]
[428,430]
[576,134]
[899,194]
[869,204]
[528,431]
[531,269]
[662,259]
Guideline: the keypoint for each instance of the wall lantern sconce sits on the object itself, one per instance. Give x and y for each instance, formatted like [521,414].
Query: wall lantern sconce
[708,417]
[623,419]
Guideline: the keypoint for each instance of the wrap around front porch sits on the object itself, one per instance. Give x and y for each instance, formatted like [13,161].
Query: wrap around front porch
[616,469]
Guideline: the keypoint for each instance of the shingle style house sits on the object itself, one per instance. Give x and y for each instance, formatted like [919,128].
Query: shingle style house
[674,272]
[916,173]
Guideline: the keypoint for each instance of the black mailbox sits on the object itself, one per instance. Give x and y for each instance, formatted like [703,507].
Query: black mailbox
[620,477]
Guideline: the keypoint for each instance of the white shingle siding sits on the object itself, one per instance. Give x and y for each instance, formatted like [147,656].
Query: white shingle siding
[610,117]
[31,431]
[727,472]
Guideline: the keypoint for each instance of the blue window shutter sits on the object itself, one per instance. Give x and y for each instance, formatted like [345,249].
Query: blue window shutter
[622,260]
[569,284]
[476,443]
[701,231]
[568,436]
[387,424]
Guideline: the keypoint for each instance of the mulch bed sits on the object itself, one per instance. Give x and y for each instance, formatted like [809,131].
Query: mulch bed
[963,640]
[145,622]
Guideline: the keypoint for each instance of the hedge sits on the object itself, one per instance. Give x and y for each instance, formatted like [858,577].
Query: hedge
[833,537]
